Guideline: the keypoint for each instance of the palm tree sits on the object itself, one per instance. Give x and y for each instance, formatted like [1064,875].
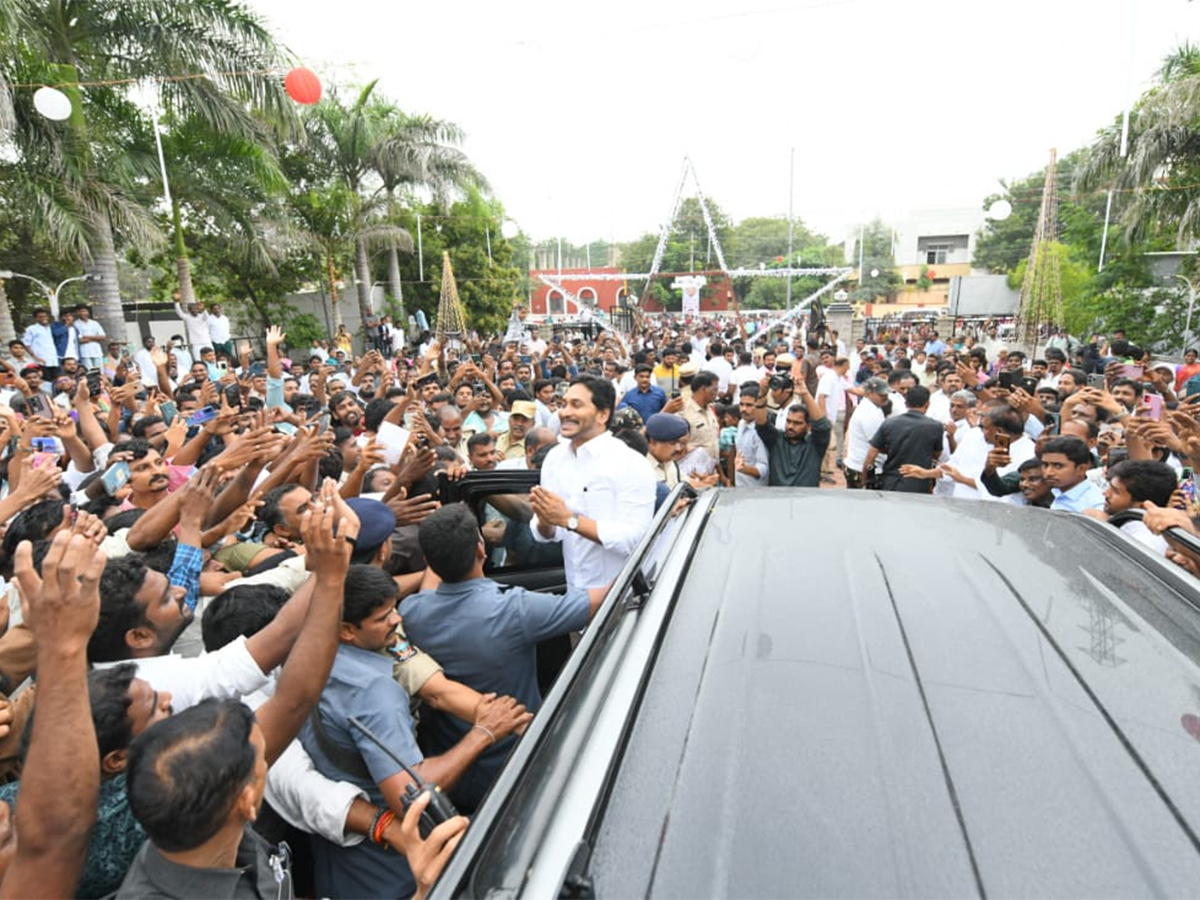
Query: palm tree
[375,152]
[344,139]
[420,153]
[209,58]
[1163,154]
[222,183]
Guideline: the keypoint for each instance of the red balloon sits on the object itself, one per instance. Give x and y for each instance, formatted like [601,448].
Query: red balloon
[931,274]
[779,259]
[302,86]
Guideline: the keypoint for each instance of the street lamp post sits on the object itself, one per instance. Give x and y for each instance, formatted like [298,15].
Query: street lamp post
[51,293]
[1187,328]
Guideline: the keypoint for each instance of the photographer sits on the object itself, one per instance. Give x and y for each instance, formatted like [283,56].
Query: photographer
[794,451]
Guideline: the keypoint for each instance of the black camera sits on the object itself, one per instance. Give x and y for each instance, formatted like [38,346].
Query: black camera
[781,383]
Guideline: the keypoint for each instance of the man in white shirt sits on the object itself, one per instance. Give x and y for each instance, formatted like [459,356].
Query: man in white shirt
[183,359]
[196,323]
[899,381]
[91,338]
[597,495]
[831,396]
[1133,482]
[39,338]
[752,463]
[720,366]
[745,372]
[144,360]
[865,421]
[219,330]
[966,450]
[939,400]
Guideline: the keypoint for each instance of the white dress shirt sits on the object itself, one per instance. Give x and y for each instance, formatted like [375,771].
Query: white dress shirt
[863,424]
[831,387]
[754,451]
[609,483]
[723,370]
[939,407]
[218,328]
[196,327]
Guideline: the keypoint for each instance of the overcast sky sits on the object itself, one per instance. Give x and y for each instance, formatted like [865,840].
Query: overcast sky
[580,114]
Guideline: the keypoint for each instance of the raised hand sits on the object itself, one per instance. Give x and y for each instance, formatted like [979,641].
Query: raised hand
[414,510]
[328,532]
[64,602]
[275,336]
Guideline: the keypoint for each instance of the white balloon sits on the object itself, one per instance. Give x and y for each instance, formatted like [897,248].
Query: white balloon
[1000,210]
[509,229]
[52,103]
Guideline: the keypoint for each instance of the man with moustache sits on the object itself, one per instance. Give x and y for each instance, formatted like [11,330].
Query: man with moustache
[596,495]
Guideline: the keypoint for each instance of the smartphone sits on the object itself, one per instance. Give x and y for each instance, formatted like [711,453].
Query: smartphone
[1116,455]
[1096,381]
[114,477]
[46,445]
[39,405]
[1152,407]
[476,358]
[1002,441]
[1187,487]
[1134,372]
[222,369]
[233,395]
[322,423]
[95,385]
[525,358]
[1009,380]
[168,410]
[1029,385]
[202,415]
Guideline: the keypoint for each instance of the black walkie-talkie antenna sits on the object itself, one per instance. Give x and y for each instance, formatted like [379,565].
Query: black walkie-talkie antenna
[386,749]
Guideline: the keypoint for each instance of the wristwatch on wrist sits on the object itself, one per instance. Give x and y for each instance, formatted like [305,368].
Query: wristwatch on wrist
[572,522]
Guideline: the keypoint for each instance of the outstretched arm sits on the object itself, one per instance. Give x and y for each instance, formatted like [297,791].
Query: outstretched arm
[61,782]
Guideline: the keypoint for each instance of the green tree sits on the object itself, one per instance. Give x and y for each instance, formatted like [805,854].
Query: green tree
[487,288]
[1153,183]
[419,154]
[85,179]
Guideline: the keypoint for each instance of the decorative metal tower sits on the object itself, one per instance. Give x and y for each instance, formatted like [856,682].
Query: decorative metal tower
[451,322]
[1041,289]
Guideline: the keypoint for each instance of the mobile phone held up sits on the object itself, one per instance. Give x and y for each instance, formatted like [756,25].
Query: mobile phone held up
[202,415]
[50,445]
[1152,407]
[95,386]
[115,477]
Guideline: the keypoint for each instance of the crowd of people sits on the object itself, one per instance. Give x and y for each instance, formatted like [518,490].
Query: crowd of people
[244,624]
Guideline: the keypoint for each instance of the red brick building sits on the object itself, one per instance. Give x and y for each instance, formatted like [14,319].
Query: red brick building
[715,296]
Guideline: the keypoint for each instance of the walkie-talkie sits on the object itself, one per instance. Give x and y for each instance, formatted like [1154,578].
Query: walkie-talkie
[439,809]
